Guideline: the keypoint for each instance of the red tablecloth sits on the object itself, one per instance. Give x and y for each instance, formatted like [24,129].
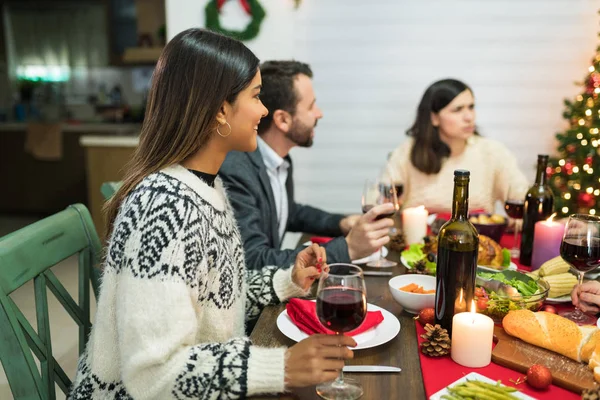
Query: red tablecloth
[440,372]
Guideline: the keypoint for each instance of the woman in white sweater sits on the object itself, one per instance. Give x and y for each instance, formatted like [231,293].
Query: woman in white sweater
[444,138]
[175,292]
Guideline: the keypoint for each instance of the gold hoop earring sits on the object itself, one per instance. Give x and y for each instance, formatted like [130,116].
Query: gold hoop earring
[219,132]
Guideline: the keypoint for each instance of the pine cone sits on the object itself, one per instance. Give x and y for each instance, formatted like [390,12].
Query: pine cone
[591,394]
[397,242]
[437,341]
[420,267]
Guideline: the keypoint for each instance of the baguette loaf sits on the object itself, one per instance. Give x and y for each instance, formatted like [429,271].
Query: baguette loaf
[555,333]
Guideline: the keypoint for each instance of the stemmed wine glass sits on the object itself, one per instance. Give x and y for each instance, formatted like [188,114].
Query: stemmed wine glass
[341,307]
[380,191]
[580,247]
[514,208]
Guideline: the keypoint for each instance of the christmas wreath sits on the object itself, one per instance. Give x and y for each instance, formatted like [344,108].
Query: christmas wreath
[252,7]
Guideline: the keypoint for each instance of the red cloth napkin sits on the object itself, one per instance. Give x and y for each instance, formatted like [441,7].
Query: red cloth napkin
[303,313]
[321,239]
[435,381]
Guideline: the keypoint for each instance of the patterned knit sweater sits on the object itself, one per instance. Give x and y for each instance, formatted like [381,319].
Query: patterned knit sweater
[174,297]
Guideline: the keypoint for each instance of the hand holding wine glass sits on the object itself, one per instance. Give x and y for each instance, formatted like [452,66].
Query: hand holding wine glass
[317,359]
[580,247]
[376,192]
[341,307]
[370,232]
[586,297]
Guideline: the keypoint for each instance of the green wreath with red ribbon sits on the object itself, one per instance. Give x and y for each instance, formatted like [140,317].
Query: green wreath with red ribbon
[252,7]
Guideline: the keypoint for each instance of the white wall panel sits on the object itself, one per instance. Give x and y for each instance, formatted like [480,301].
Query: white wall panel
[373,59]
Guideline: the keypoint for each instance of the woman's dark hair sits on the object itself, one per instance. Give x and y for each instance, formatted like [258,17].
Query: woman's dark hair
[196,73]
[429,150]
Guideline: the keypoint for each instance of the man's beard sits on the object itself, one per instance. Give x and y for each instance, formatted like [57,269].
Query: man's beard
[301,134]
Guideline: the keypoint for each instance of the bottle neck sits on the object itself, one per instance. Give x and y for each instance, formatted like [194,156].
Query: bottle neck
[460,202]
[540,177]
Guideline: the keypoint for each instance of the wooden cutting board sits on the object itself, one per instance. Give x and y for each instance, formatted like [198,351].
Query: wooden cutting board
[518,355]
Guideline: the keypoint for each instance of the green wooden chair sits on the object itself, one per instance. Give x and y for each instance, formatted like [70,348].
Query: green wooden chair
[28,254]
[109,188]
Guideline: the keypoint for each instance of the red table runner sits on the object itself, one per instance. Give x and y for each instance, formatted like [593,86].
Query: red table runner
[441,372]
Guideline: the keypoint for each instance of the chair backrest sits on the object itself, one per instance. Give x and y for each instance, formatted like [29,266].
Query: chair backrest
[109,188]
[28,254]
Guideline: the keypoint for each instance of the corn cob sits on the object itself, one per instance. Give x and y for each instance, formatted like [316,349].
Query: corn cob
[554,266]
[535,274]
[560,284]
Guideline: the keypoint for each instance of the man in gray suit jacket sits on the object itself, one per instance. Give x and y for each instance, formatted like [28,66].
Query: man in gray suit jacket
[260,184]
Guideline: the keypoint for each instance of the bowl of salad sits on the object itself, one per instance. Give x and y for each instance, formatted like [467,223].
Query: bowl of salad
[525,293]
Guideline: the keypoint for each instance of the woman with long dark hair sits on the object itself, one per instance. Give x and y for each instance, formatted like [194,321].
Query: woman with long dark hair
[175,291]
[444,138]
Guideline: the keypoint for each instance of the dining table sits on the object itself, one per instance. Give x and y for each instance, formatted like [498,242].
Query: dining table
[402,351]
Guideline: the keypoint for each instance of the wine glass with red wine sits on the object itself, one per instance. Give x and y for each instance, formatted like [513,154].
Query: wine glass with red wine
[375,192]
[580,247]
[514,208]
[341,308]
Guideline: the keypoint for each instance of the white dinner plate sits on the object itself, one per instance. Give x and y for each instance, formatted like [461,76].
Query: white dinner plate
[562,299]
[474,376]
[372,257]
[511,267]
[382,333]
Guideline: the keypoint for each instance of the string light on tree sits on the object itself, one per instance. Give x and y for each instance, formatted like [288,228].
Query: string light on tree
[572,174]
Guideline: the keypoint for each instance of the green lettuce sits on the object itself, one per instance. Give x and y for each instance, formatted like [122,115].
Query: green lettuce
[415,253]
[505,257]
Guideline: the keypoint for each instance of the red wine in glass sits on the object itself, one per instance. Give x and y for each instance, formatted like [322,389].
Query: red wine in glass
[341,309]
[514,208]
[582,253]
[580,248]
[365,209]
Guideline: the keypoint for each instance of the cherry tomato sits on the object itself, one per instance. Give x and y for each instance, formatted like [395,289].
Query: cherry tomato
[479,292]
[482,303]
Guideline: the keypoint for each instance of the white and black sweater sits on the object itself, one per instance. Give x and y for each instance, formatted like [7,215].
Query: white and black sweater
[174,297]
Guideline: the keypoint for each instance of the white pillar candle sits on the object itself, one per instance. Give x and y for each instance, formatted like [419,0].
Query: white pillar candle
[472,337]
[414,224]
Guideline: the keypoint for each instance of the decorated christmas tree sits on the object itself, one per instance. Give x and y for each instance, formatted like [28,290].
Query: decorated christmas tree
[575,174]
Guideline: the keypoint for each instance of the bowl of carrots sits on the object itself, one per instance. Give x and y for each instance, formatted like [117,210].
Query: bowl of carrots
[413,292]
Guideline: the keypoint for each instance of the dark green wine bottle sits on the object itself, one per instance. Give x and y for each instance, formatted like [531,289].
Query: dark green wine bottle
[458,244]
[538,206]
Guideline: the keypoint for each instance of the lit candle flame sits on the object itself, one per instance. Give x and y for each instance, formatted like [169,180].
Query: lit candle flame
[473,307]
[551,218]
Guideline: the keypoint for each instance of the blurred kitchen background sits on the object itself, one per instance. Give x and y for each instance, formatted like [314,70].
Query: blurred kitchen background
[74,77]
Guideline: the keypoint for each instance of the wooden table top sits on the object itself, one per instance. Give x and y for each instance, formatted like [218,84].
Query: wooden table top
[402,351]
